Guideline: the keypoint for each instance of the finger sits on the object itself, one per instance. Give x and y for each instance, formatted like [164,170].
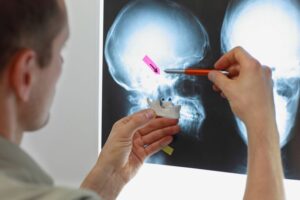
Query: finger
[236,55]
[216,89]
[268,71]
[125,120]
[158,134]
[223,95]
[268,74]
[128,125]
[156,124]
[233,71]
[220,80]
[158,145]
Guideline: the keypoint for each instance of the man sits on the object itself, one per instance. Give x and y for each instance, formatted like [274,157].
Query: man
[32,35]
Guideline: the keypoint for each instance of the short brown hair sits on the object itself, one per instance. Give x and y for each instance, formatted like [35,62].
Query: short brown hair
[29,24]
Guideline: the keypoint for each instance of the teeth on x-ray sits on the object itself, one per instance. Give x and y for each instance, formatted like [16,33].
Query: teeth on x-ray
[165,108]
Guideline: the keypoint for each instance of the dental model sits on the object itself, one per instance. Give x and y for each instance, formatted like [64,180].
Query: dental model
[165,108]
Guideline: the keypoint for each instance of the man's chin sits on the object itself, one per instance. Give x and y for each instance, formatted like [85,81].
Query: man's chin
[46,121]
[40,125]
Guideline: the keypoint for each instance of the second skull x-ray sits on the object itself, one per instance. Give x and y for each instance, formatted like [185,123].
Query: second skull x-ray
[183,33]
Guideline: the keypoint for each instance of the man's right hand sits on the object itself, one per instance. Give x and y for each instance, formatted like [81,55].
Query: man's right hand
[248,87]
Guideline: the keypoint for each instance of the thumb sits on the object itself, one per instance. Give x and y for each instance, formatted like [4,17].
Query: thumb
[131,123]
[219,79]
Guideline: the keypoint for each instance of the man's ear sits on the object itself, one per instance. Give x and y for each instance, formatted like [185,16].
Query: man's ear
[22,73]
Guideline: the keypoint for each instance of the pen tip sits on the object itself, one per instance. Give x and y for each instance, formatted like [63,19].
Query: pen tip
[174,71]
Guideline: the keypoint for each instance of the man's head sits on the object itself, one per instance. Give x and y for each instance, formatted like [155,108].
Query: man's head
[29,24]
[32,34]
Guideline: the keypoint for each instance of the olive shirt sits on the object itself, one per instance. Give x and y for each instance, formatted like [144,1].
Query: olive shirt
[22,178]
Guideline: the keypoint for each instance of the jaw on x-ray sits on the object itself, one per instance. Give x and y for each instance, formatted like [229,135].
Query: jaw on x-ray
[175,37]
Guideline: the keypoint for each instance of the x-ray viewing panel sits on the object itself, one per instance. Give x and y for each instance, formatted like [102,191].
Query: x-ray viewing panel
[142,38]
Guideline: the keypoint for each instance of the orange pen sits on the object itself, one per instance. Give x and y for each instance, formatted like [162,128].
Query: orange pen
[193,72]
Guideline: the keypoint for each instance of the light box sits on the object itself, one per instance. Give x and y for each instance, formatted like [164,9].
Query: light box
[210,153]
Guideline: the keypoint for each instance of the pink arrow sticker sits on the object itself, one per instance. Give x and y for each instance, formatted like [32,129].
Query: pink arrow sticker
[151,64]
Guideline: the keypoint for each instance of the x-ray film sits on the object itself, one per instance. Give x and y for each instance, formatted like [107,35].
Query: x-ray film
[142,38]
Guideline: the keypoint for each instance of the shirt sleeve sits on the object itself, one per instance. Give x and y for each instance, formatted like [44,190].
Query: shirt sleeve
[11,189]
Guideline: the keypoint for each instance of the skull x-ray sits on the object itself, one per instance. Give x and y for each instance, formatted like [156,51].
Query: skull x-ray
[195,33]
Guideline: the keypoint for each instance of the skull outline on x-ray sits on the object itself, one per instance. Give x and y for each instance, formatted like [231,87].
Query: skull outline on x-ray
[171,36]
[270,31]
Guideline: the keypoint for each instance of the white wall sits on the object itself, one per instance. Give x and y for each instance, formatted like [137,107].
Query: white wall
[67,147]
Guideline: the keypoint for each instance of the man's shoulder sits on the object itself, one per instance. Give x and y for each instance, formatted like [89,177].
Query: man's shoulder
[12,189]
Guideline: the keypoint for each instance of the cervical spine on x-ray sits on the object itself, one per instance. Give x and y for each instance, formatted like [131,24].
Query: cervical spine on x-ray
[174,38]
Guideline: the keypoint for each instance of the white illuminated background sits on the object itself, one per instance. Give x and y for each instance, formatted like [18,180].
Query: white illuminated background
[166,182]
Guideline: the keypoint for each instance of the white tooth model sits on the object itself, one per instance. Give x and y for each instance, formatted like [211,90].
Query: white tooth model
[165,109]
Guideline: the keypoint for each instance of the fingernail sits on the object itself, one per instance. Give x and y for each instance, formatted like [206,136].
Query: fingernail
[211,76]
[150,114]
[167,142]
